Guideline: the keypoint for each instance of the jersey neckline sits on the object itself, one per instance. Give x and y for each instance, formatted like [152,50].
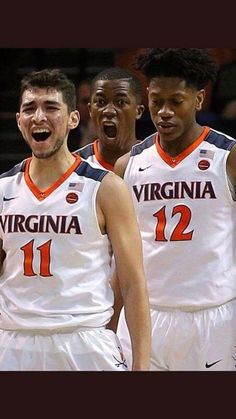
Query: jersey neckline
[99,157]
[174,161]
[41,195]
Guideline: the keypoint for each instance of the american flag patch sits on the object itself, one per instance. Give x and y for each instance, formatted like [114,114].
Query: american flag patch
[207,154]
[76,186]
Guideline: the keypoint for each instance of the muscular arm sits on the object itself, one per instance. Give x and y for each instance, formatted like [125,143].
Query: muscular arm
[116,215]
[119,169]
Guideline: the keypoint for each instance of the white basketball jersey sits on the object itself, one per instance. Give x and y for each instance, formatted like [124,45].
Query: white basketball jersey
[187,219]
[57,267]
[91,153]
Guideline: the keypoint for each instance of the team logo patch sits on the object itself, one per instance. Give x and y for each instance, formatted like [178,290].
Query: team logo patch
[203,164]
[72,198]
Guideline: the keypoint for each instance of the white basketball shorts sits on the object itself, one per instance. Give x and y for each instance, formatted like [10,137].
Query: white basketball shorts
[87,350]
[203,340]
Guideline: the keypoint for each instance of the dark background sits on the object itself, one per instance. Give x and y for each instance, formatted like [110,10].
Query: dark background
[80,63]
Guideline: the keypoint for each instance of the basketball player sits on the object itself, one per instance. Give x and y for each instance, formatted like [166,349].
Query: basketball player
[57,227]
[182,180]
[114,108]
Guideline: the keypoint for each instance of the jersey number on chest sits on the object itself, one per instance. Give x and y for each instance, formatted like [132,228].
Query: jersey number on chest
[45,258]
[179,232]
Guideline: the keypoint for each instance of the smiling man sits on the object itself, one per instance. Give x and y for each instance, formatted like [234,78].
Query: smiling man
[57,228]
[114,108]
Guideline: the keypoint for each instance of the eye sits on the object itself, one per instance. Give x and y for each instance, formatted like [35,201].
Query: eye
[177,101]
[156,102]
[28,110]
[52,108]
[99,101]
[121,102]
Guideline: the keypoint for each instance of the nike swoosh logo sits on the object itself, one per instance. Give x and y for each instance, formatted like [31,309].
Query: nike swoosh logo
[213,363]
[141,169]
[9,199]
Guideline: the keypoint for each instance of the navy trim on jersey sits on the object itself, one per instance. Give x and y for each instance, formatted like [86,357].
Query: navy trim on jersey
[85,152]
[20,167]
[84,169]
[138,148]
[220,140]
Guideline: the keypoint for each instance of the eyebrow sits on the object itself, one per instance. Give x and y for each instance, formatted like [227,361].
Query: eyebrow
[47,102]
[172,94]
[116,94]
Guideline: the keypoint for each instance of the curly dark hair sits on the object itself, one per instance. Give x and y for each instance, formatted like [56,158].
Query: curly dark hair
[194,65]
[48,78]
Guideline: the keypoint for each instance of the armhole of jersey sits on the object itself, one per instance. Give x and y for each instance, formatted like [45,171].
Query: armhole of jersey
[94,203]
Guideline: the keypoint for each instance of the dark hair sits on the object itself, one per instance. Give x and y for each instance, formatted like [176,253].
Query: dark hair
[48,78]
[118,73]
[194,65]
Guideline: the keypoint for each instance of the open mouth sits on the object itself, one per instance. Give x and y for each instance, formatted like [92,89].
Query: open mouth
[41,135]
[110,130]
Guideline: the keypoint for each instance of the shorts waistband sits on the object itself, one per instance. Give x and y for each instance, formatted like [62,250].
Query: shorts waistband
[54,331]
[190,309]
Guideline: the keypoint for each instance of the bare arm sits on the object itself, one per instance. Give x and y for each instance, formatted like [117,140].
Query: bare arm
[119,169]
[117,216]
[118,303]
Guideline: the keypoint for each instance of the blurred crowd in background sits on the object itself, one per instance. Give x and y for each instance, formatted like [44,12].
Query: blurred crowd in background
[81,65]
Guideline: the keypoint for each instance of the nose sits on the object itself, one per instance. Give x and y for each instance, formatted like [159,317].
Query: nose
[165,111]
[39,115]
[109,110]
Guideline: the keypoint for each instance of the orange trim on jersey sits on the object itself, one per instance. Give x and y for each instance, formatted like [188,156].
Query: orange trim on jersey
[41,195]
[99,158]
[173,161]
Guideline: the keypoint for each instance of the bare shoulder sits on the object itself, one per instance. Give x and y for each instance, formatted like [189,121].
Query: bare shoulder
[121,164]
[113,192]
[111,183]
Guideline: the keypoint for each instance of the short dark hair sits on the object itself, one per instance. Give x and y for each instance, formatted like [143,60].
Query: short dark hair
[194,65]
[118,73]
[48,78]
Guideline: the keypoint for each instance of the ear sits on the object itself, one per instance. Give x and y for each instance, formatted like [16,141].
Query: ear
[139,111]
[18,120]
[74,119]
[200,99]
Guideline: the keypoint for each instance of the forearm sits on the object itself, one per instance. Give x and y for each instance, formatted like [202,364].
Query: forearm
[137,314]
[118,303]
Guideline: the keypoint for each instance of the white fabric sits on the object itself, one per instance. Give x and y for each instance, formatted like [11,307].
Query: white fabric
[77,291]
[198,272]
[204,340]
[82,350]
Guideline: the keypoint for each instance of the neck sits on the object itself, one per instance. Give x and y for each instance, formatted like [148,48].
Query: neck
[45,172]
[177,146]
[111,153]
